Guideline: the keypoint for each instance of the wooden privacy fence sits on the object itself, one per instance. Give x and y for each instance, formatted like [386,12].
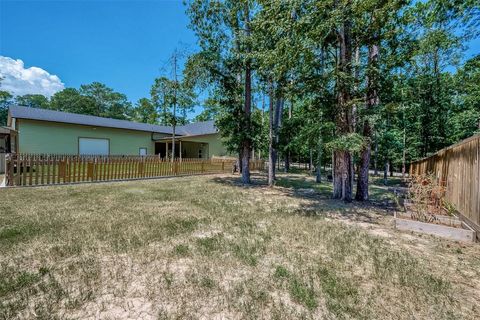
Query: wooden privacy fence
[41,169]
[458,169]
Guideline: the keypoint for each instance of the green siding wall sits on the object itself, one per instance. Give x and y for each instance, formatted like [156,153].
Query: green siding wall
[215,146]
[51,137]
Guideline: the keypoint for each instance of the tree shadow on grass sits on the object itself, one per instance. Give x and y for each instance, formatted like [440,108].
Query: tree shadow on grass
[316,198]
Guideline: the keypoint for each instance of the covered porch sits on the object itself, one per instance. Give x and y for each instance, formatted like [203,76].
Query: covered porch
[183,148]
[8,144]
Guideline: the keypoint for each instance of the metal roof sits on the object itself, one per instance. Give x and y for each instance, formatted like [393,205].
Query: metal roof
[19,112]
[197,128]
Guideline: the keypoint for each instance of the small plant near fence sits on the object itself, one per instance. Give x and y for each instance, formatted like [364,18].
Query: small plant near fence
[427,211]
[427,198]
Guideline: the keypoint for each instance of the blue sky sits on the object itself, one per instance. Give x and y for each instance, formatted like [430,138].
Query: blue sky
[121,43]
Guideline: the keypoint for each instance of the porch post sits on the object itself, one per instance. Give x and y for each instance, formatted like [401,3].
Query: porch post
[180,149]
[166,149]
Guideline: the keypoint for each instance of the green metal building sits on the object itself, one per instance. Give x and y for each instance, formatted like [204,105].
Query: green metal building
[41,131]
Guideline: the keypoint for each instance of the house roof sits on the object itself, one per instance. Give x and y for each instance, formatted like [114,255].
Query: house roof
[197,128]
[19,112]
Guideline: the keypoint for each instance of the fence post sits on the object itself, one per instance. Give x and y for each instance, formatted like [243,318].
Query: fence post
[89,170]
[9,169]
[140,168]
[17,169]
[94,176]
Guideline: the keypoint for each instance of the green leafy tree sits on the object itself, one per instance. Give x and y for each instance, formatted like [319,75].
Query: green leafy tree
[167,95]
[210,111]
[33,101]
[5,102]
[94,99]
[369,78]
[145,111]
[6,99]
[70,100]
[224,32]
[464,119]
[108,103]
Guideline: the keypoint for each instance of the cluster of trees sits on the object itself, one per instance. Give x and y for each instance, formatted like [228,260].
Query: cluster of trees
[92,99]
[97,99]
[363,84]
[360,85]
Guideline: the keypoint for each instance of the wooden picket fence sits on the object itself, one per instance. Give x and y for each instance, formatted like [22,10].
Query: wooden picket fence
[48,169]
[2,162]
[458,169]
[255,164]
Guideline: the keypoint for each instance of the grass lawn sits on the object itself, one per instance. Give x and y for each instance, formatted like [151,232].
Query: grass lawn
[206,247]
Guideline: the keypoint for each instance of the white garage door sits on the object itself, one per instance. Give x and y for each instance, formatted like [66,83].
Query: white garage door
[93,146]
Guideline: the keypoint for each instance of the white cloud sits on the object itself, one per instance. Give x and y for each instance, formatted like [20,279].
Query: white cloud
[19,81]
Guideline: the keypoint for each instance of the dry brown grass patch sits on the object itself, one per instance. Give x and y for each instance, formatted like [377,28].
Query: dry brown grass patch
[208,248]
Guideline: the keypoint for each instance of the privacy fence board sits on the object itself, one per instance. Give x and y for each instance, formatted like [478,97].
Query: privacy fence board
[458,168]
[48,169]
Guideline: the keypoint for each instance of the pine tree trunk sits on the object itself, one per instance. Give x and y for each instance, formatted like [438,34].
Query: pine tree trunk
[371,103]
[277,124]
[246,163]
[318,177]
[404,153]
[385,172]
[342,188]
[362,181]
[342,183]
[352,169]
[288,155]
[271,143]
[310,164]
[287,161]
[375,162]
[247,144]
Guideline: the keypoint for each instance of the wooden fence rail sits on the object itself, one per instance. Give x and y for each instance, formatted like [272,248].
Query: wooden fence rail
[458,168]
[48,169]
